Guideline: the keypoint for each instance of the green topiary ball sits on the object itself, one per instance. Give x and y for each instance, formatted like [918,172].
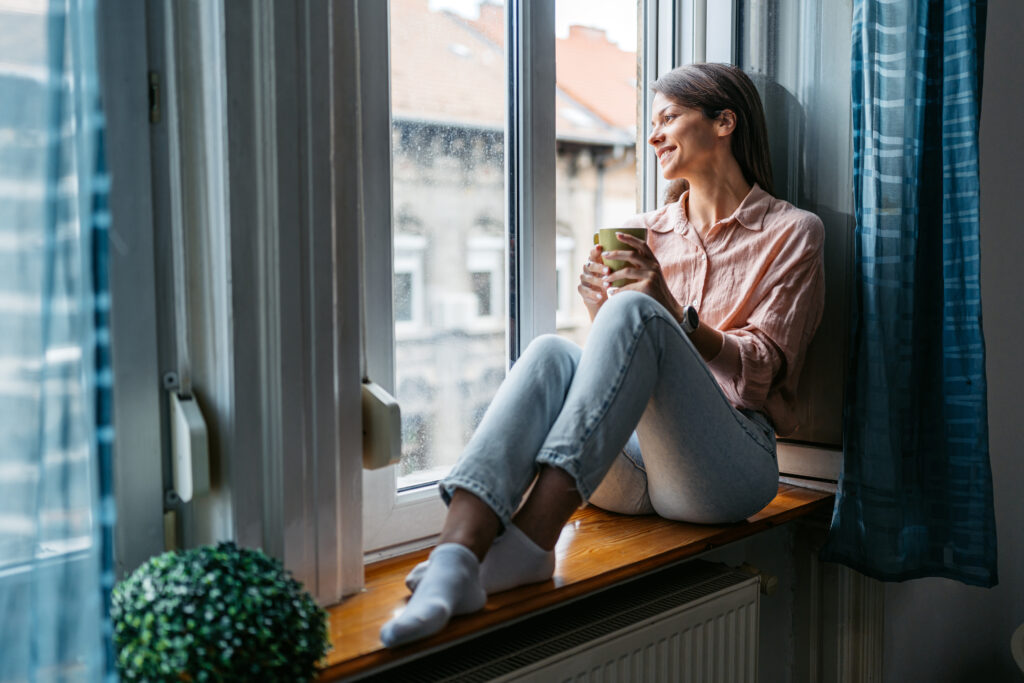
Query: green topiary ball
[216,613]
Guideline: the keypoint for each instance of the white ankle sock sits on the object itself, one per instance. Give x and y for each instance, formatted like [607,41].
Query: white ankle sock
[516,561]
[513,560]
[449,586]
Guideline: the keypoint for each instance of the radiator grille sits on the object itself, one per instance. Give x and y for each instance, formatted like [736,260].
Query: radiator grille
[693,622]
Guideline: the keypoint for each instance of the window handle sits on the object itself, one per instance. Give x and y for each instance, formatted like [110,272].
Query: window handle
[382,427]
[189,446]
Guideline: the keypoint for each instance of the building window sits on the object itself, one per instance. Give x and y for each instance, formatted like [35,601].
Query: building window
[482,289]
[403,297]
[485,266]
[408,295]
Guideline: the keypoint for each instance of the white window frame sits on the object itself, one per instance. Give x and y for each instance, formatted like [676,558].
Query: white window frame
[250,225]
[391,522]
[395,522]
[138,468]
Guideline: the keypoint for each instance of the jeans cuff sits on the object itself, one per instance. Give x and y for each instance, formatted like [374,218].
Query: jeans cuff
[570,465]
[448,485]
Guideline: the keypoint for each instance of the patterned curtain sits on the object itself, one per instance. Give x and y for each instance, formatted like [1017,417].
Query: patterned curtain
[915,498]
[56,508]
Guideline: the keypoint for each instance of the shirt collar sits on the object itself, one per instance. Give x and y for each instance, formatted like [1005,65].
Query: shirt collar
[750,213]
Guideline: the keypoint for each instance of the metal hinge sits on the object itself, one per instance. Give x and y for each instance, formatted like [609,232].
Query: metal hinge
[154,97]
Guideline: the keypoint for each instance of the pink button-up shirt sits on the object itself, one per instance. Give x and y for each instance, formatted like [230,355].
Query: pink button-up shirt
[757,277]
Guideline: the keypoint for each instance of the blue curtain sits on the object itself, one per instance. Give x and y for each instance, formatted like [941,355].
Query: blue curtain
[915,497]
[56,508]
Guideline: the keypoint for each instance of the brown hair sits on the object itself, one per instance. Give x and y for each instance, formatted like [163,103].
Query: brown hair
[713,88]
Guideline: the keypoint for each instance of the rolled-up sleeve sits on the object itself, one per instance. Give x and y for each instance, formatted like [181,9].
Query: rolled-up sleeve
[767,353]
[746,366]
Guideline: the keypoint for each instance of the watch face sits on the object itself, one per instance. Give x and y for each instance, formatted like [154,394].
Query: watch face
[691,318]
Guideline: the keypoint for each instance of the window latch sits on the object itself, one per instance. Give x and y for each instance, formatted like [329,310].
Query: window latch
[382,427]
[189,447]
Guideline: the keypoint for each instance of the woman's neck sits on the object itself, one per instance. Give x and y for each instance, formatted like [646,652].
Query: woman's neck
[715,195]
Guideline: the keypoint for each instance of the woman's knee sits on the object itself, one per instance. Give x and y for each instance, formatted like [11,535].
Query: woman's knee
[552,354]
[626,305]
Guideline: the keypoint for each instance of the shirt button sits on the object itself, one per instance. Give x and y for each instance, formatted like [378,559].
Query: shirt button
[703,257]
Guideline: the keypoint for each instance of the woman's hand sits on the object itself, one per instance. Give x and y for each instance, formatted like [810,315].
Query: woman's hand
[592,287]
[644,271]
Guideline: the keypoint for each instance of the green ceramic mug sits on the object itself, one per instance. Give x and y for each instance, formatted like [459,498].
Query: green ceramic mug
[609,242]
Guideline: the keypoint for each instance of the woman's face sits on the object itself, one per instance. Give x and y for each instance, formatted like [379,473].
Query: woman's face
[683,138]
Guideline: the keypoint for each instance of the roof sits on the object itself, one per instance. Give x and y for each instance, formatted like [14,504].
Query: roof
[599,74]
[443,70]
[446,68]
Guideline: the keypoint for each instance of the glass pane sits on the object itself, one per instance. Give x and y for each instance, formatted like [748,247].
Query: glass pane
[448,88]
[596,127]
[797,52]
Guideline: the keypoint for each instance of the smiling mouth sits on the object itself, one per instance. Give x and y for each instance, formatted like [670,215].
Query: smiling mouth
[663,154]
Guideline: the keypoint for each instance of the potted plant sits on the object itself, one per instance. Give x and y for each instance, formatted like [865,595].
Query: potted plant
[216,613]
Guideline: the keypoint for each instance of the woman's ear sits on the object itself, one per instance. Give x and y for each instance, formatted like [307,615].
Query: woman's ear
[726,122]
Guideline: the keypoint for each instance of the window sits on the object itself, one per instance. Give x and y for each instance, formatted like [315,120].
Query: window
[448,93]
[492,278]
[448,168]
[409,283]
[485,267]
[443,104]
[481,283]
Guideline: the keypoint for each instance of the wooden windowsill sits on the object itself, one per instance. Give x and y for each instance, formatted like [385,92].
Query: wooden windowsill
[596,550]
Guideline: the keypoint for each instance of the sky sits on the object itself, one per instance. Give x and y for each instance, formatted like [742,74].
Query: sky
[617,17]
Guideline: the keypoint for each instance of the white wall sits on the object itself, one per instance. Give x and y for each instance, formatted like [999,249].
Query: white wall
[936,629]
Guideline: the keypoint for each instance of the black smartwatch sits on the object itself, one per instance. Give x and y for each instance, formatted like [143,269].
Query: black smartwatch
[690,320]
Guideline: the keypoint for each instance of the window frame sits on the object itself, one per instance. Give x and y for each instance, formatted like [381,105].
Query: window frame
[393,521]
[138,465]
[390,520]
[263,317]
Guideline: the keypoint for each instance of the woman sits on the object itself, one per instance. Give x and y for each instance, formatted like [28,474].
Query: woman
[705,394]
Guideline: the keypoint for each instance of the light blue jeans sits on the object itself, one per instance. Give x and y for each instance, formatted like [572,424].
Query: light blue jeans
[693,457]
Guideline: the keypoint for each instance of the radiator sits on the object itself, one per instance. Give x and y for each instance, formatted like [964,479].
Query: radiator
[710,640]
[694,623]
